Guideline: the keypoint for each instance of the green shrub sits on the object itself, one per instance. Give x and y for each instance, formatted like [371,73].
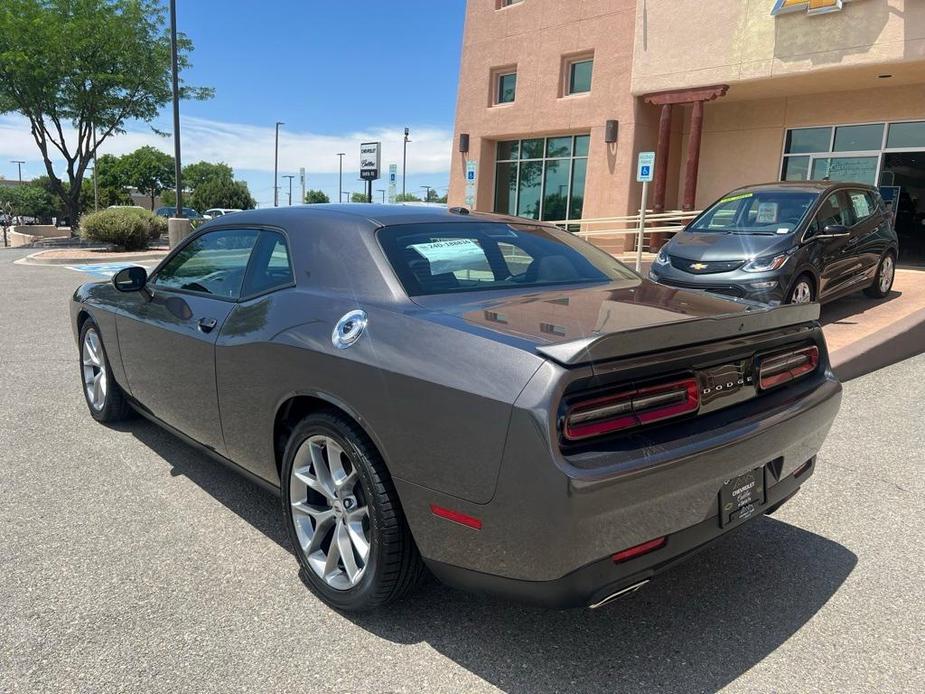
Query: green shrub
[128,228]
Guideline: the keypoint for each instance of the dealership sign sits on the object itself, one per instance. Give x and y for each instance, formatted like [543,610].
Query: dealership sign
[369,161]
[811,6]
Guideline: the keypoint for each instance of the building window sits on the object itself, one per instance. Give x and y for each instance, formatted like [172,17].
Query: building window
[499,4]
[507,88]
[542,178]
[576,74]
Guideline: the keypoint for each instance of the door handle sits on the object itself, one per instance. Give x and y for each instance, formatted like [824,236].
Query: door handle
[206,325]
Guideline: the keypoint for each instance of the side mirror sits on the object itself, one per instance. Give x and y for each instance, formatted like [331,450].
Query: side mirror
[130,279]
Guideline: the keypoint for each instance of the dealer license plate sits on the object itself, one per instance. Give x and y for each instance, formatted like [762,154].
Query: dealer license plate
[742,497]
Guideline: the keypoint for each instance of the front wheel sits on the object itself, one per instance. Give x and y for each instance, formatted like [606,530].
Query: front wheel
[802,291]
[883,280]
[104,397]
[344,519]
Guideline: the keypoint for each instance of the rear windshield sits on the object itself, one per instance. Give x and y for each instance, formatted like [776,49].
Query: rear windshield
[756,212]
[460,257]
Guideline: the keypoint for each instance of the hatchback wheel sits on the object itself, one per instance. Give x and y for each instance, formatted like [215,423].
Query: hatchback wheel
[883,280]
[802,291]
[344,519]
[104,397]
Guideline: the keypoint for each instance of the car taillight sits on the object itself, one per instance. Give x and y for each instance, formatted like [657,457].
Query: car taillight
[776,369]
[631,408]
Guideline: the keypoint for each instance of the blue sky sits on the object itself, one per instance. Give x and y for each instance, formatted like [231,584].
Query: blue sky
[335,72]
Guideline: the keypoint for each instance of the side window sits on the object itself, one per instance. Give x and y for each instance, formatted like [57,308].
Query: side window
[832,212]
[213,263]
[862,204]
[270,267]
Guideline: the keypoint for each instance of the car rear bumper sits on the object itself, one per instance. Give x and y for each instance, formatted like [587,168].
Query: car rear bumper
[549,533]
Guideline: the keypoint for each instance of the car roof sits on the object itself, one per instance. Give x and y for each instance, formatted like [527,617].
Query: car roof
[802,186]
[368,214]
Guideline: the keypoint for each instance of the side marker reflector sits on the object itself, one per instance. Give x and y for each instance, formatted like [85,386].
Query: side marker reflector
[639,550]
[456,517]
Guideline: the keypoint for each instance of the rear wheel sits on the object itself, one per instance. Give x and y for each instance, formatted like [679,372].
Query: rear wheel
[803,291]
[344,519]
[883,280]
[104,397]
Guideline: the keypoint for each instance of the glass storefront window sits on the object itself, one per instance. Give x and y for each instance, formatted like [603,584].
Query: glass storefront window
[858,138]
[805,140]
[854,169]
[795,169]
[542,178]
[906,135]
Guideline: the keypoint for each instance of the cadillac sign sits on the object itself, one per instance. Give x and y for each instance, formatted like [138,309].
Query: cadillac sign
[369,161]
[811,6]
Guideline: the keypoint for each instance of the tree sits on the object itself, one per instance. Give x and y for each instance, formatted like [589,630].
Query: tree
[194,175]
[147,169]
[315,196]
[93,64]
[407,197]
[28,201]
[358,197]
[222,192]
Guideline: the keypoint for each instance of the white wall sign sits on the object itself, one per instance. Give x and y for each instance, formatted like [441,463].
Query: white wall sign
[645,170]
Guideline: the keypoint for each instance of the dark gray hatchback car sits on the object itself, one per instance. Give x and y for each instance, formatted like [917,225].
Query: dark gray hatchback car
[489,397]
[786,243]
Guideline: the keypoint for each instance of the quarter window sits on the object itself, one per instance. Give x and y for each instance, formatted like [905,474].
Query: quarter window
[212,264]
[270,267]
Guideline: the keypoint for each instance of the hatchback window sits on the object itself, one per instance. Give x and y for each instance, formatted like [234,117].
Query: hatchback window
[756,212]
[460,257]
[213,263]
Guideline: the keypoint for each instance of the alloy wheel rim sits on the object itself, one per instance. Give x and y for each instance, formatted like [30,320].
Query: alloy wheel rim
[886,274]
[329,512]
[94,370]
[802,294]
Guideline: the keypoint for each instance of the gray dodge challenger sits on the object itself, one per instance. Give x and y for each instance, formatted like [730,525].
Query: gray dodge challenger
[488,398]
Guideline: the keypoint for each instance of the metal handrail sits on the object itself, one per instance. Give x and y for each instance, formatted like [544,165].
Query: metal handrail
[667,222]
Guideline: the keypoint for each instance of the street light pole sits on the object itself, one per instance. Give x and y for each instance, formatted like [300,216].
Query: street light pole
[176,107]
[427,194]
[19,166]
[404,161]
[290,177]
[276,166]
[340,185]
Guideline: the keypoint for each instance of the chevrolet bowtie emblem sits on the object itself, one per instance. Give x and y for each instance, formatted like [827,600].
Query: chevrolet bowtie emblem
[812,6]
[698,266]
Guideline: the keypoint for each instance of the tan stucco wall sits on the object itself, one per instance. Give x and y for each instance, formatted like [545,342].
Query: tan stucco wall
[535,35]
[688,43]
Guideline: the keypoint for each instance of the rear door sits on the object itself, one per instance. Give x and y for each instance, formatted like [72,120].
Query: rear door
[868,238]
[168,345]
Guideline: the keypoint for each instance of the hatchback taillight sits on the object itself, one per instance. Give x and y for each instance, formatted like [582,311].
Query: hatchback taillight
[776,369]
[631,408]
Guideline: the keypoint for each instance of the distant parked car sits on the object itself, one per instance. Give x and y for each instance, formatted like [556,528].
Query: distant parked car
[786,243]
[219,212]
[188,212]
[488,396]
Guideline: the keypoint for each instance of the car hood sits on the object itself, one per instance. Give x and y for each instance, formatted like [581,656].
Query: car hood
[721,245]
[558,315]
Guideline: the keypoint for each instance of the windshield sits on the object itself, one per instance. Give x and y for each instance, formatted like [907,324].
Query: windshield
[756,212]
[460,257]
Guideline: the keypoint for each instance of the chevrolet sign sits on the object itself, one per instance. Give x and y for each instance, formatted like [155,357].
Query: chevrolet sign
[812,6]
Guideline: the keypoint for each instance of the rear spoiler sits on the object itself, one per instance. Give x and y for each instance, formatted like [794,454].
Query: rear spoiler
[680,334]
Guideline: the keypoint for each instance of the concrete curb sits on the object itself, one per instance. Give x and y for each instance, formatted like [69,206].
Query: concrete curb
[898,341]
[36,259]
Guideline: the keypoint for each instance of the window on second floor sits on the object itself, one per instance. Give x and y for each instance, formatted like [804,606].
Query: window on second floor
[579,76]
[507,88]
[506,3]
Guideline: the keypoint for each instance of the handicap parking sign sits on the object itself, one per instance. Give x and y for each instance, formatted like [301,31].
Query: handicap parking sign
[645,171]
[645,167]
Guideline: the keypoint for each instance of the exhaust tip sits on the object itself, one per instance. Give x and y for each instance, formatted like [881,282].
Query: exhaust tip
[620,593]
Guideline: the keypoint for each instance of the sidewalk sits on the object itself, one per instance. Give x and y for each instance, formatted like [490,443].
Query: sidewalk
[71,256]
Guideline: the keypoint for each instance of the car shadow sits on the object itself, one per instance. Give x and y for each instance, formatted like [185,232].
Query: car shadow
[695,628]
[844,311]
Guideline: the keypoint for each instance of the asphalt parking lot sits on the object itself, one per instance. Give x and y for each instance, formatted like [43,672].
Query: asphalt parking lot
[130,562]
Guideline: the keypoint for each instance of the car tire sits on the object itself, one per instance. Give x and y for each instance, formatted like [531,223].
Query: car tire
[803,290]
[331,472]
[883,280]
[104,397]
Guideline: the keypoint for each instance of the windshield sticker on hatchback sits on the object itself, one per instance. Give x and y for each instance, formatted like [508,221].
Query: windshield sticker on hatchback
[767,213]
[733,198]
[452,255]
